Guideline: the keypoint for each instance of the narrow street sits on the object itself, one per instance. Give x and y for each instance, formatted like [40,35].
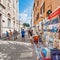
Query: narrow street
[16,50]
[29,29]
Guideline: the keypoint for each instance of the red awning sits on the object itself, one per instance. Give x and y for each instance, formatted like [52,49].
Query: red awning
[53,14]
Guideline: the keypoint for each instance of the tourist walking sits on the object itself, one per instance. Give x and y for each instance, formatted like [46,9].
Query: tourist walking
[23,34]
[10,35]
[14,35]
[7,35]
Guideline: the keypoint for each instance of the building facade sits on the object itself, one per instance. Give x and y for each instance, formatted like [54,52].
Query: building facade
[42,6]
[8,16]
[47,13]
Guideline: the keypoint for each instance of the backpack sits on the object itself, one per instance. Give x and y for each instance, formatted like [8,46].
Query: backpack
[36,38]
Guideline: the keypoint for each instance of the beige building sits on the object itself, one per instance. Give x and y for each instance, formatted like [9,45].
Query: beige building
[8,16]
[47,16]
[41,7]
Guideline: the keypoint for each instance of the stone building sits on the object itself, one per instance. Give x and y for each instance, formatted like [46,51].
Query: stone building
[8,16]
[47,16]
[41,7]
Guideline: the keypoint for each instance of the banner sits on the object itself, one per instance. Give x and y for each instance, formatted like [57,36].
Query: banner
[53,14]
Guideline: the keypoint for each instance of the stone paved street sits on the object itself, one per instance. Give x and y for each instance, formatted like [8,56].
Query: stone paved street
[16,50]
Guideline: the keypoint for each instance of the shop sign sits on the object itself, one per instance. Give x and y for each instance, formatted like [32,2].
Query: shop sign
[53,14]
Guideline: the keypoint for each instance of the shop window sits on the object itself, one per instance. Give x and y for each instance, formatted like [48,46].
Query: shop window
[54,21]
[47,23]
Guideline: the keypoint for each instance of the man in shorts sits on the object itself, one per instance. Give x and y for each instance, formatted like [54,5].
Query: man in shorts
[23,34]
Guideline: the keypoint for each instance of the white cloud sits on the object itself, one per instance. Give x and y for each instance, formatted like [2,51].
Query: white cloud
[25,16]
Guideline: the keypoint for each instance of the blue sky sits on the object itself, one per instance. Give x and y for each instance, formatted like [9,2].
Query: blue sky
[25,9]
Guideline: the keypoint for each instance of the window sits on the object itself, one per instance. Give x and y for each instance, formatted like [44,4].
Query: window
[8,5]
[9,23]
[3,21]
[54,21]
[13,5]
[34,6]
[42,9]
[37,2]
[9,0]
[37,16]
[9,15]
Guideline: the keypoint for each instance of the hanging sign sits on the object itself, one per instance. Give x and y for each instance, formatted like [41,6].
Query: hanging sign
[53,14]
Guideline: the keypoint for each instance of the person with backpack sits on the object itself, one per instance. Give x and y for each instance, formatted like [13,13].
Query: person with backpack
[36,45]
[7,34]
[31,35]
[10,34]
[14,35]
[23,34]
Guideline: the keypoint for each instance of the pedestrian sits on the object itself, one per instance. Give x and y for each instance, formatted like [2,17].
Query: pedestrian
[14,35]
[39,33]
[45,52]
[31,35]
[10,34]
[7,34]
[36,45]
[23,34]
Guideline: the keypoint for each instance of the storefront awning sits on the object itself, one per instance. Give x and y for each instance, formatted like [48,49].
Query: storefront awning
[53,14]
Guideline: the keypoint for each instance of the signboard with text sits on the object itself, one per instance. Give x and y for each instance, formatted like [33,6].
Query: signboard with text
[53,14]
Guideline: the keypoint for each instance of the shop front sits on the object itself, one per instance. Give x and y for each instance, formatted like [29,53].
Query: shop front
[54,19]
